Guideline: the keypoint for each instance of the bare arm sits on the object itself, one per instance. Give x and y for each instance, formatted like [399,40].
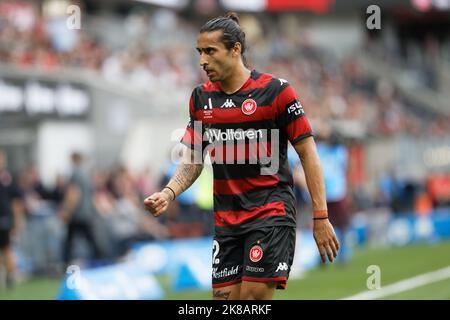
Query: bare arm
[185,175]
[307,152]
[323,230]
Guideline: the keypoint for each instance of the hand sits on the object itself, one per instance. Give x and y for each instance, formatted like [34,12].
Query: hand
[157,203]
[325,239]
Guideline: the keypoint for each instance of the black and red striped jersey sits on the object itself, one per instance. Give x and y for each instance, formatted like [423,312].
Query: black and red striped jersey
[246,135]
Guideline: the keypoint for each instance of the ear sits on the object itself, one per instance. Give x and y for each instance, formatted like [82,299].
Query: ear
[237,49]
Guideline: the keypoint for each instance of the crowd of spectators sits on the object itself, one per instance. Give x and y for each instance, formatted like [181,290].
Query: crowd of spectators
[103,223]
[156,51]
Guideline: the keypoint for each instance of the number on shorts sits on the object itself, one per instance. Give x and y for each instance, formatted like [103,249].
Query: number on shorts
[215,252]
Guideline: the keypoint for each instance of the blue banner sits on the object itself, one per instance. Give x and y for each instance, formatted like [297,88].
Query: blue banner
[126,281]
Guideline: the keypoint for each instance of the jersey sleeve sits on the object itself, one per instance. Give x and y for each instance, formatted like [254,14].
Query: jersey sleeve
[194,133]
[291,117]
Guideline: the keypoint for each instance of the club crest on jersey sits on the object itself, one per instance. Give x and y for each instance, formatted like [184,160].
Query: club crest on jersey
[256,253]
[249,107]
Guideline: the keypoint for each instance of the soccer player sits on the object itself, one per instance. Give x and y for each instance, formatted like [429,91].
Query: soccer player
[245,119]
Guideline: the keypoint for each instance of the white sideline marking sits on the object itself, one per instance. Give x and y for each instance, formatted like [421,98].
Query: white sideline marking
[403,285]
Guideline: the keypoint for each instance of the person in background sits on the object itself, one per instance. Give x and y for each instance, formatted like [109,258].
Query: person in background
[11,219]
[333,155]
[77,209]
[41,241]
[128,221]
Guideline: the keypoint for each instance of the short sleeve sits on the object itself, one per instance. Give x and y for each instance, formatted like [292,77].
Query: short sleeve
[194,133]
[290,115]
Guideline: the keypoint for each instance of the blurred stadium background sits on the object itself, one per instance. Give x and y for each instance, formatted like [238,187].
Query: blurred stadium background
[116,91]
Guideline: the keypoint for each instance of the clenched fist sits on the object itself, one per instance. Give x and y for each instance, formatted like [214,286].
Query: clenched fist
[157,203]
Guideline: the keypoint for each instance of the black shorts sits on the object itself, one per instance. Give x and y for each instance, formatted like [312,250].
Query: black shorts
[263,255]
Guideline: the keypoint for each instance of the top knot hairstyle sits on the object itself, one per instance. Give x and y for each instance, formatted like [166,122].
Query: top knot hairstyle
[233,16]
[232,32]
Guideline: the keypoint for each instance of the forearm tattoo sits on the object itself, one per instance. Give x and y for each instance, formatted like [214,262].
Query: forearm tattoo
[222,294]
[186,174]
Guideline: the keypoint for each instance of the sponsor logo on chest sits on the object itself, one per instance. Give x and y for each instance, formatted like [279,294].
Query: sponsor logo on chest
[228,104]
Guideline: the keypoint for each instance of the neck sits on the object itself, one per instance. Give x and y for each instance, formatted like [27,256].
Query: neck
[236,79]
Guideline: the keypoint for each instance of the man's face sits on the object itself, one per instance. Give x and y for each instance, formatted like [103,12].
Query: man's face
[217,61]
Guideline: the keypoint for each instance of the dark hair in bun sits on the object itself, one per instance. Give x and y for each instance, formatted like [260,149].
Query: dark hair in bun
[233,16]
[232,31]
